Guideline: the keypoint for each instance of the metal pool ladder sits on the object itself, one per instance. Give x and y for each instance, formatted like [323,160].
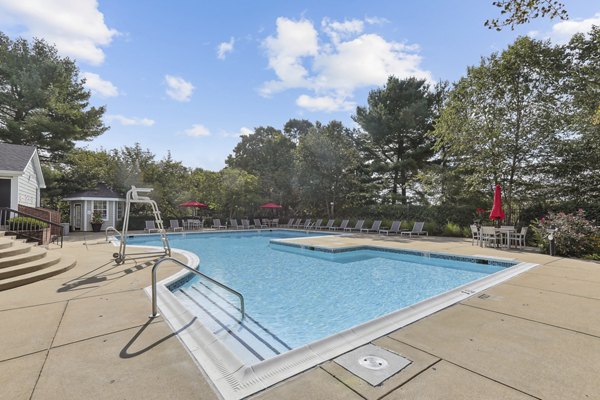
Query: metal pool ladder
[195,271]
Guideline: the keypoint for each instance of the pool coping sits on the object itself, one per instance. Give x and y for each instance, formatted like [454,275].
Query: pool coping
[235,380]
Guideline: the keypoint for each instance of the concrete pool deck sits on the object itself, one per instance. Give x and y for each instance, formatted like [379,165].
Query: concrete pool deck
[86,334]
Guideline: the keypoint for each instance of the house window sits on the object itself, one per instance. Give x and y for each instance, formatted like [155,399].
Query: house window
[120,209]
[102,208]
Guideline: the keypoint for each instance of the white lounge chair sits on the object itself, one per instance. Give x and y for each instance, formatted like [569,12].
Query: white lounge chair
[174,225]
[416,230]
[317,225]
[258,224]
[290,223]
[357,227]
[328,226]
[373,228]
[246,224]
[233,224]
[217,224]
[298,223]
[151,227]
[342,226]
[395,228]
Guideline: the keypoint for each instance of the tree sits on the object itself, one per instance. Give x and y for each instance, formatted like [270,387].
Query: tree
[296,128]
[394,140]
[326,163]
[43,102]
[500,120]
[238,194]
[518,12]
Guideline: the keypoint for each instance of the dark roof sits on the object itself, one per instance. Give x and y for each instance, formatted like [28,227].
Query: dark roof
[100,191]
[15,157]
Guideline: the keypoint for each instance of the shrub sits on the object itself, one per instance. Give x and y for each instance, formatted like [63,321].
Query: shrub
[25,223]
[574,235]
[451,229]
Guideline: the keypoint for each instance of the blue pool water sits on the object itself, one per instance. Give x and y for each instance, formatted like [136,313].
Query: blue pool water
[297,296]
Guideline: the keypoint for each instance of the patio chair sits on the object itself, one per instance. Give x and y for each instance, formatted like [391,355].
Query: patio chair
[246,224]
[395,228]
[151,227]
[329,225]
[233,224]
[298,223]
[317,225]
[489,234]
[518,238]
[217,224]
[357,227]
[275,222]
[342,226]
[475,234]
[416,230]
[307,224]
[174,225]
[290,223]
[373,228]
[258,224]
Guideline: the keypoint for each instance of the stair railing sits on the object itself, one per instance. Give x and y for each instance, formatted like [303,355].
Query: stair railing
[30,227]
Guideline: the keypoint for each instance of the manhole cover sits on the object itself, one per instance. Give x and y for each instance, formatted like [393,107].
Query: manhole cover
[373,362]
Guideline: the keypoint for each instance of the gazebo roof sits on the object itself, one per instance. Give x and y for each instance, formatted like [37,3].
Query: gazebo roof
[101,191]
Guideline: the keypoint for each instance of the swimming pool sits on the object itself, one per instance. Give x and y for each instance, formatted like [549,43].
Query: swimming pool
[302,298]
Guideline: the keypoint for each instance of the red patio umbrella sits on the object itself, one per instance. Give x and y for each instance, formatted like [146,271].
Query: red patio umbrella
[270,205]
[192,203]
[497,212]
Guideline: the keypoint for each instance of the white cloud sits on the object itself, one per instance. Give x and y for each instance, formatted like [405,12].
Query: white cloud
[242,132]
[127,121]
[564,30]
[178,88]
[197,130]
[224,48]
[376,20]
[332,66]
[324,103]
[99,86]
[76,27]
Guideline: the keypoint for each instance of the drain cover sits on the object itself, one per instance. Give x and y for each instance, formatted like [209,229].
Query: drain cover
[372,363]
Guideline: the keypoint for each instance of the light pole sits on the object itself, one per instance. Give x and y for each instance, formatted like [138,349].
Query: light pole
[331,209]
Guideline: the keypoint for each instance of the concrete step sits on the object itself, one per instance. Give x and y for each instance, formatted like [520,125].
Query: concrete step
[16,248]
[35,253]
[65,264]
[31,266]
[5,242]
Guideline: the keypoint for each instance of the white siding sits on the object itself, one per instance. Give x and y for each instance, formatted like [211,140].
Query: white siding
[28,187]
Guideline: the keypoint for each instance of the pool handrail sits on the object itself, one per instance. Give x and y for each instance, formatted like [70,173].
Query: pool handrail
[111,228]
[195,271]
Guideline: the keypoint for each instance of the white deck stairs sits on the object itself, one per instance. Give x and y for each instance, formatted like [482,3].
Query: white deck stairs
[22,263]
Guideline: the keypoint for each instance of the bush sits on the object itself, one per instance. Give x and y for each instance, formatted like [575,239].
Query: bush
[25,223]
[451,229]
[574,235]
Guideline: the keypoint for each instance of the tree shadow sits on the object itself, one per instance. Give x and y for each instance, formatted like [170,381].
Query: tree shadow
[125,351]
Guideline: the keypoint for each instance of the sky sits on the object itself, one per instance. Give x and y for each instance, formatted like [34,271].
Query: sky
[190,77]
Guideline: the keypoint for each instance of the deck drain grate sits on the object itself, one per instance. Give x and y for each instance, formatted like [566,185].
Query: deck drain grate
[372,363]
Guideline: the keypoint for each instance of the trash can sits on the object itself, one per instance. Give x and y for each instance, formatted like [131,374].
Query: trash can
[65,228]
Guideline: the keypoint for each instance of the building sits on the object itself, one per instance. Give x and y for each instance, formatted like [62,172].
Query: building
[103,200]
[21,176]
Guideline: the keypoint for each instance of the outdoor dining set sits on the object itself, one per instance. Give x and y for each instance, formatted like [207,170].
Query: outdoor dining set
[503,236]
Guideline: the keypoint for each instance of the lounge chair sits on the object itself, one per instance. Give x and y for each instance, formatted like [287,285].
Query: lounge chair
[246,224]
[174,225]
[329,225]
[357,227]
[233,224]
[416,230]
[307,224]
[373,228]
[151,227]
[317,225]
[217,224]
[290,223]
[275,222]
[395,228]
[258,224]
[342,226]
[298,223]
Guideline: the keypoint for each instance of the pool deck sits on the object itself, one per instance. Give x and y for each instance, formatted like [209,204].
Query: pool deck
[86,334]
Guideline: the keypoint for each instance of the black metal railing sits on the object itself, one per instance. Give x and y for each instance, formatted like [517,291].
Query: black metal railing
[30,227]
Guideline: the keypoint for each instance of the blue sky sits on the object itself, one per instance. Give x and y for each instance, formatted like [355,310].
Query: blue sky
[191,76]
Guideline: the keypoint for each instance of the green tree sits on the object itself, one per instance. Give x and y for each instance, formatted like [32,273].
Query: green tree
[43,102]
[296,128]
[326,169]
[516,12]
[238,194]
[394,140]
[169,179]
[501,118]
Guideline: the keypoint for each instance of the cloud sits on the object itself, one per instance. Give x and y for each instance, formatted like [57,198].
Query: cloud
[76,27]
[564,30]
[99,86]
[197,130]
[127,121]
[178,88]
[224,48]
[242,132]
[324,103]
[333,65]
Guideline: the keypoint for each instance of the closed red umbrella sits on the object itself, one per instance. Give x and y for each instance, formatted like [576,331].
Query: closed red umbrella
[497,213]
[270,205]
